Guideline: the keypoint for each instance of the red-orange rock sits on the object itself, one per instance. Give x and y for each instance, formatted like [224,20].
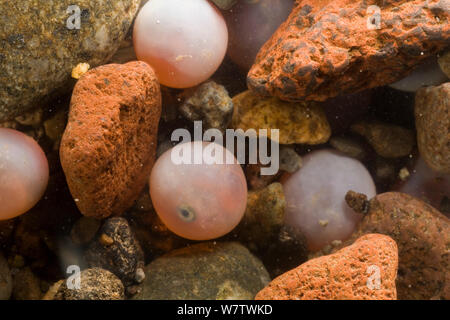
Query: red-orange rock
[422,235]
[109,145]
[364,270]
[331,47]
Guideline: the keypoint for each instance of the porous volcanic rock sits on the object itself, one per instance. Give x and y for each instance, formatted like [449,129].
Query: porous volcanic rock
[327,48]
[423,237]
[350,273]
[109,145]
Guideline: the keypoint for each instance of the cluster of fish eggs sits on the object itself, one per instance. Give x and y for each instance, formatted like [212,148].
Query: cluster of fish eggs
[205,201]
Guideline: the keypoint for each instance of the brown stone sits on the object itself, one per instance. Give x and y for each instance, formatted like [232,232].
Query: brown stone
[350,273]
[432,112]
[423,237]
[116,250]
[388,140]
[263,217]
[300,122]
[209,103]
[27,286]
[109,145]
[330,47]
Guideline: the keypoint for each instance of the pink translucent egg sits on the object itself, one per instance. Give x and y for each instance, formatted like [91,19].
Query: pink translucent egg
[251,23]
[23,173]
[198,201]
[426,184]
[315,196]
[184,41]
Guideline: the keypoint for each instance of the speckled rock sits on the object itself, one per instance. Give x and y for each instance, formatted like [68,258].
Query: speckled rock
[388,140]
[263,217]
[53,290]
[290,161]
[117,250]
[328,48]
[206,271]
[40,44]
[209,103]
[444,63]
[351,273]
[6,283]
[27,286]
[423,237]
[95,284]
[385,171]
[109,145]
[432,113]
[301,122]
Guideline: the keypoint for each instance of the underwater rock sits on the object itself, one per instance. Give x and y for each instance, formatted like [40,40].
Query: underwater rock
[388,140]
[41,44]
[206,271]
[117,250]
[348,146]
[27,286]
[95,284]
[52,290]
[301,122]
[290,161]
[444,63]
[329,48]
[84,230]
[209,103]
[6,282]
[255,179]
[432,112]
[109,145]
[224,4]
[423,237]
[349,274]
[263,217]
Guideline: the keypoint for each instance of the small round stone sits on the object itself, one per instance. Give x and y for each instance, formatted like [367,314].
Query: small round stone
[184,41]
[315,196]
[199,201]
[24,173]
